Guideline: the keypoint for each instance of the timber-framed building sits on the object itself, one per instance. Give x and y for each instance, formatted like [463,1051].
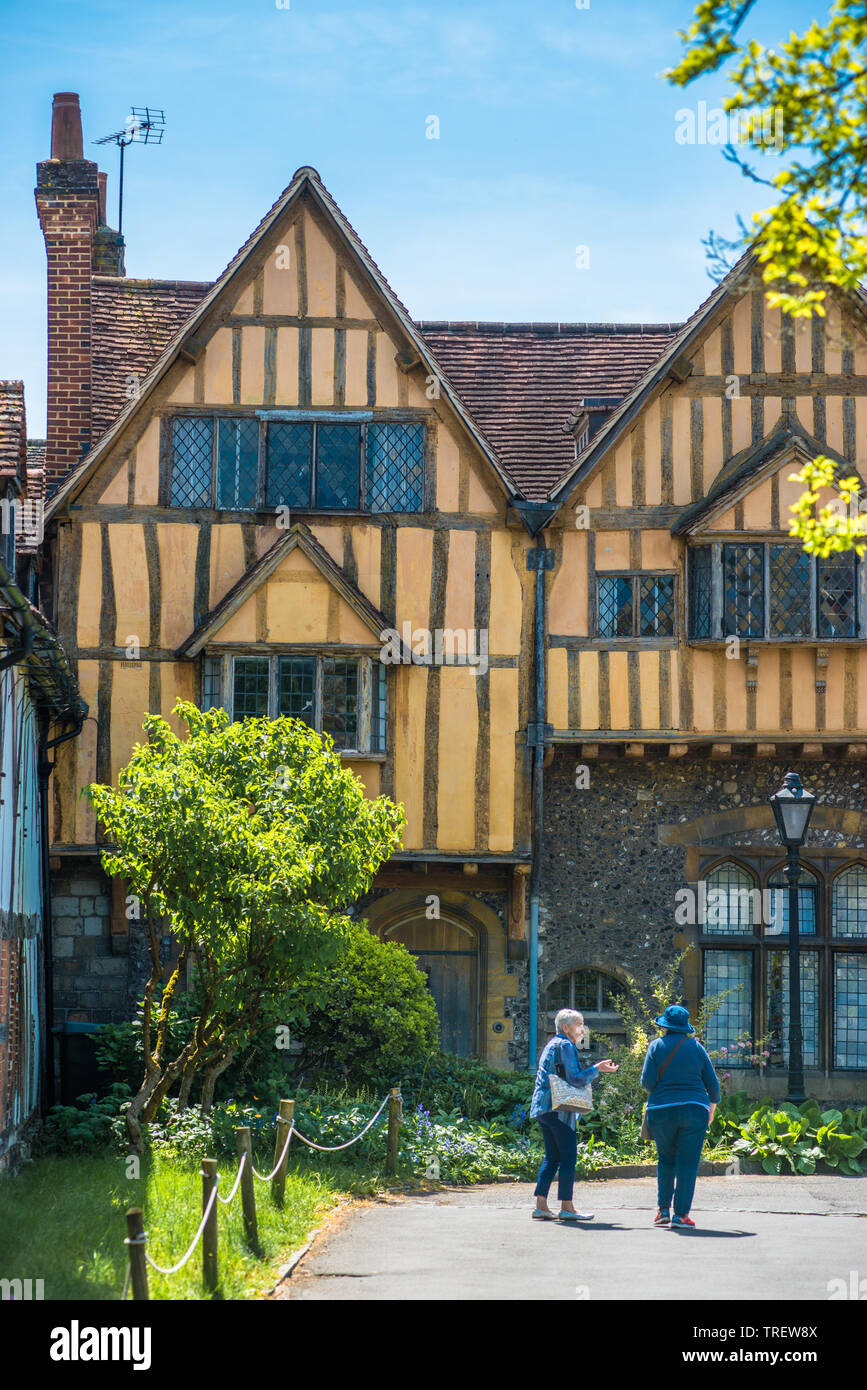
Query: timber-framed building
[252,481]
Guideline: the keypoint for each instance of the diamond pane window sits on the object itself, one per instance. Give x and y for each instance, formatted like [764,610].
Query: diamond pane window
[733,902]
[290,464]
[700,591]
[395,456]
[212,696]
[340,701]
[656,606]
[849,903]
[238,464]
[192,448]
[377,713]
[296,690]
[615,607]
[777,985]
[729,970]
[808,889]
[837,606]
[337,458]
[850,1011]
[250,687]
[790,571]
[744,590]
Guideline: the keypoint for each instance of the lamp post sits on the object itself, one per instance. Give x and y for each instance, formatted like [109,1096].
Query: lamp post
[793,807]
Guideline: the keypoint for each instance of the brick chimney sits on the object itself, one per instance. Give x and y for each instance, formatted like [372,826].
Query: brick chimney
[67,202]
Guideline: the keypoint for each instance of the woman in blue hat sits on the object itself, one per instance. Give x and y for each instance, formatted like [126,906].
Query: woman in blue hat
[683,1094]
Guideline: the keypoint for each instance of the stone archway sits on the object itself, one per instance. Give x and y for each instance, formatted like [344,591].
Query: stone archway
[447,951]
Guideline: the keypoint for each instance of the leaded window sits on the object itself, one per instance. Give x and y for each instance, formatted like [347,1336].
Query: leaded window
[592,993]
[635,605]
[237,464]
[344,696]
[729,973]
[808,891]
[789,589]
[849,903]
[772,592]
[743,590]
[732,904]
[192,457]
[310,463]
[850,1012]
[777,1006]
[395,461]
[743,939]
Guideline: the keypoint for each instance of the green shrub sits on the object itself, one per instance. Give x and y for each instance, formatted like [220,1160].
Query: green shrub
[370,1017]
[772,1133]
[92,1125]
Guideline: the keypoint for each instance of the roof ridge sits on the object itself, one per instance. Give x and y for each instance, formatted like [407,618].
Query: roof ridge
[542,326]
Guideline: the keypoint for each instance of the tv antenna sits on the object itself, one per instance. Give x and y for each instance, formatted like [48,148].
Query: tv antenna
[144,126]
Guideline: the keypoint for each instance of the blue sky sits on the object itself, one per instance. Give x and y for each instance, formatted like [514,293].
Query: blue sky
[556,131]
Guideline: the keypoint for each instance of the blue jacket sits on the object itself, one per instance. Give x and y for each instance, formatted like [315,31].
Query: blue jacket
[578,1075]
[689,1079]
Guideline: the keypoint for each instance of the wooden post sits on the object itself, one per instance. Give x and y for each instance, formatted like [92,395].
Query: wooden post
[284,1122]
[209,1235]
[244,1147]
[138,1268]
[394,1103]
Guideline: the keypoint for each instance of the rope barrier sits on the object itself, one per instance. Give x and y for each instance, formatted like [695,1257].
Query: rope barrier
[227,1200]
[333,1148]
[321,1148]
[140,1240]
[261,1176]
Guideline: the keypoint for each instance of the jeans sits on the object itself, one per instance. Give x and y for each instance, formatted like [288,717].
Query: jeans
[561,1152]
[678,1132]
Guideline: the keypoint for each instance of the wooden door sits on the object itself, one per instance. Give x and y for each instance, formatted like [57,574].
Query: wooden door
[448,954]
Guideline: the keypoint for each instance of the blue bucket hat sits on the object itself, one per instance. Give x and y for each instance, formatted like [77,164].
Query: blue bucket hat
[676,1019]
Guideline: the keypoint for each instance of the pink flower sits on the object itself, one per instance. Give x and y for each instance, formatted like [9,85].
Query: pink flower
[766,1054]
[723,1051]
[727,1076]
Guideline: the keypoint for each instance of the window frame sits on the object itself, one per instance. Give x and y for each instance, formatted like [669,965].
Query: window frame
[766,542]
[372,687]
[596,1019]
[823,945]
[635,576]
[314,418]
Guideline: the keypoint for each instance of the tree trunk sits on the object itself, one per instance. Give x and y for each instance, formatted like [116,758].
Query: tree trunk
[210,1078]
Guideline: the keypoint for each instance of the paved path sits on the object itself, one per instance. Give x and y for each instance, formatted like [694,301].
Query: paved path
[757,1238]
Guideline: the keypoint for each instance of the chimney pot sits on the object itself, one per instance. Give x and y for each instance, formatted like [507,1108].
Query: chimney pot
[67,141]
[103,181]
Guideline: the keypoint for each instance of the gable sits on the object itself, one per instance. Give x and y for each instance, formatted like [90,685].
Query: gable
[720,389]
[302,318]
[294,594]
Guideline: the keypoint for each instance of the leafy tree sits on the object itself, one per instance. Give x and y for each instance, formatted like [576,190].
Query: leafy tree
[814,234]
[247,842]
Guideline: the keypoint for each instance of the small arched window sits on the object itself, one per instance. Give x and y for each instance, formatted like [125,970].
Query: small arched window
[777,918]
[732,902]
[588,991]
[849,902]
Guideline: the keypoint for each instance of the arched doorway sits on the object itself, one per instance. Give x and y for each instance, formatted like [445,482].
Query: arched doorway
[448,953]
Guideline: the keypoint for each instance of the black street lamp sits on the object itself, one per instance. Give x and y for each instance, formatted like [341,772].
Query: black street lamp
[793,807]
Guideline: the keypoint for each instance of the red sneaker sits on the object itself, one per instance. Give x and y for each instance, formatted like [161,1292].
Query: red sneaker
[683,1221]
[662,1217]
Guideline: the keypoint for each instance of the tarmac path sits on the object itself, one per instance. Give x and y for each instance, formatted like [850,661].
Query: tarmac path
[757,1238]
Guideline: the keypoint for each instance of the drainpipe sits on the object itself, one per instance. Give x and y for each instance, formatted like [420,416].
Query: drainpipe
[540,559]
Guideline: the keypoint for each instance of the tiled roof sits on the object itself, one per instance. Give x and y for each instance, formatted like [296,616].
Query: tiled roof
[519,381]
[13,430]
[522,381]
[133,321]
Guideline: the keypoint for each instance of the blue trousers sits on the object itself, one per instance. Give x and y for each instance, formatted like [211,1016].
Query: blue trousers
[561,1152]
[678,1132]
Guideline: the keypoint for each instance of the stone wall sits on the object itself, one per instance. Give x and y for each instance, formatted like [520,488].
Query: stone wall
[90,964]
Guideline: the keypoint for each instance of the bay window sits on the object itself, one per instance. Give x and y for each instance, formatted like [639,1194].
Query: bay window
[771,592]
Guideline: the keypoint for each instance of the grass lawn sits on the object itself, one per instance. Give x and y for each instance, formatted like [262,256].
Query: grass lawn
[62,1220]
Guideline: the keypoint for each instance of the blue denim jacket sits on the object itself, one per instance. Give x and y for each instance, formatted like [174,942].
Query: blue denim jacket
[575,1073]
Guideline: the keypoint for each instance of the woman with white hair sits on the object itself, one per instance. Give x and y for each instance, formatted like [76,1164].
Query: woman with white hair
[559,1129]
